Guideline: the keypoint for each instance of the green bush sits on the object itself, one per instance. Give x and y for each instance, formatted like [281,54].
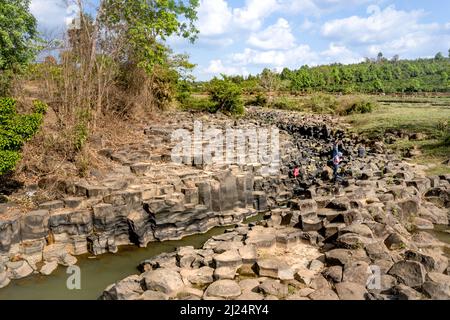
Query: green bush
[259,101]
[322,103]
[184,91]
[284,103]
[359,107]
[198,104]
[226,96]
[15,130]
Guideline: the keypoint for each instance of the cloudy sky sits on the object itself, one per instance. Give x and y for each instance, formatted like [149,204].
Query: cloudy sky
[245,36]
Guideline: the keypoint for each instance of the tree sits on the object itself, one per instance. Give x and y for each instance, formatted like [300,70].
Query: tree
[380,57]
[147,24]
[18,36]
[270,82]
[439,56]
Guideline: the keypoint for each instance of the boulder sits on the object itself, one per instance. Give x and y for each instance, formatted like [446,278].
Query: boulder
[153,296]
[433,260]
[437,286]
[333,273]
[274,288]
[248,254]
[351,291]
[225,289]
[410,273]
[163,280]
[305,276]
[249,285]
[201,277]
[403,292]
[18,269]
[127,289]
[229,258]
[250,296]
[270,267]
[357,272]
[48,268]
[4,279]
[223,273]
[324,294]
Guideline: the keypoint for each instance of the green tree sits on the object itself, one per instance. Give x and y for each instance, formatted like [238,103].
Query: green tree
[146,24]
[439,56]
[18,36]
[226,96]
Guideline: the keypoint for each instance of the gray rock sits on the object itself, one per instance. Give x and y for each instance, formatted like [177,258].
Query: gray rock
[249,284]
[163,280]
[270,267]
[403,292]
[4,279]
[225,289]
[202,276]
[153,296]
[48,268]
[333,273]
[432,260]
[248,254]
[224,273]
[126,289]
[274,288]
[351,291]
[250,296]
[19,269]
[437,286]
[228,259]
[357,272]
[324,294]
[410,273]
[34,225]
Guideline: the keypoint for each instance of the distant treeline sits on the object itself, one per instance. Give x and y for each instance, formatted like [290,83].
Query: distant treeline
[378,75]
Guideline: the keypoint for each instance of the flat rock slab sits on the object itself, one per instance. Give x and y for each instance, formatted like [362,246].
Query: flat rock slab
[225,289]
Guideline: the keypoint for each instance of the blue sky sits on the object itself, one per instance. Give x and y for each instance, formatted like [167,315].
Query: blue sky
[245,36]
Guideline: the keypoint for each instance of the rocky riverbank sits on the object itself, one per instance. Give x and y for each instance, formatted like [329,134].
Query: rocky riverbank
[366,239]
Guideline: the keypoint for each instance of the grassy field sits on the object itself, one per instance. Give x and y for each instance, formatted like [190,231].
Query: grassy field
[403,117]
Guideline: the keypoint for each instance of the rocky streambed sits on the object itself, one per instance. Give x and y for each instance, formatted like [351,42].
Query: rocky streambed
[321,240]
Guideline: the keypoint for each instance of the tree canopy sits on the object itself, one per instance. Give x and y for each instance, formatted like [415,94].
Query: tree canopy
[17,33]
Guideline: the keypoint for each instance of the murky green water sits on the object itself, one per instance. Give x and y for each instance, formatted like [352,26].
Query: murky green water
[98,273]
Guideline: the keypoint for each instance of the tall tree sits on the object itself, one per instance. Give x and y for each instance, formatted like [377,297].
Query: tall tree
[18,36]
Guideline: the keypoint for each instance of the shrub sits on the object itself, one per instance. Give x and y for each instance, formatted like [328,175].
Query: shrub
[322,103]
[15,130]
[359,107]
[226,96]
[284,103]
[184,91]
[199,104]
[259,101]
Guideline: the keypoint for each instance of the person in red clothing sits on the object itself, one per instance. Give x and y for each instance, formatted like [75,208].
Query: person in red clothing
[296,173]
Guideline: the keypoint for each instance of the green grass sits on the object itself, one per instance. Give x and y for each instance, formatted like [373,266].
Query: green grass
[429,116]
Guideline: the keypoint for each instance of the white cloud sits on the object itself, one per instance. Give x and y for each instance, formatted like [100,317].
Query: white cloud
[277,36]
[252,15]
[341,54]
[214,17]
[294,57]
[389,30]
[217,67]
[50,14]
[379,26]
